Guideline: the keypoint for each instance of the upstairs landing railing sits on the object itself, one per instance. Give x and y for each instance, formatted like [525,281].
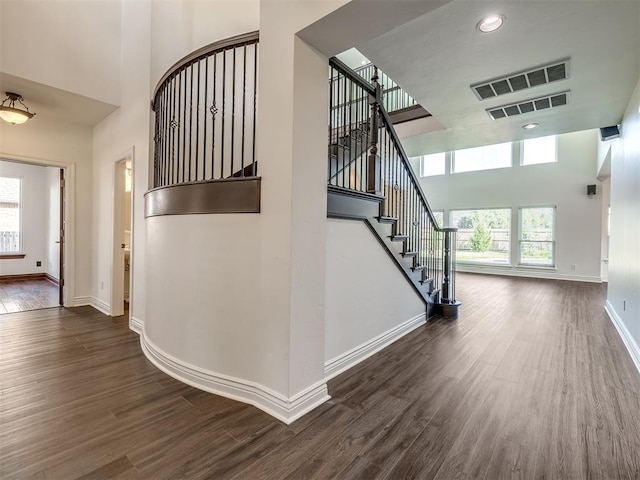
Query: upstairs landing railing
[205,114]
[365,155]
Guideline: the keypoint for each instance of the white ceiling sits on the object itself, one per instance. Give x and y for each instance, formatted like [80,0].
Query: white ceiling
[437,56]
[47,101]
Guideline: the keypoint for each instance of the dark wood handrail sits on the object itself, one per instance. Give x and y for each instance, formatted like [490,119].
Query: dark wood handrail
[203,52]
[345,70]
[349,73]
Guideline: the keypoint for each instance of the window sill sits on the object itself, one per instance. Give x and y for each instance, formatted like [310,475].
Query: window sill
[485,264]
[11,256]
[507,266]
[537,267]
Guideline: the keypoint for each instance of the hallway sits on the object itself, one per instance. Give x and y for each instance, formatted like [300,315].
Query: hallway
[532,381]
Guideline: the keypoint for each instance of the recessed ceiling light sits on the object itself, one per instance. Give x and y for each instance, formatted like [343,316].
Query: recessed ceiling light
[530,126]
[490,24]
[364,62]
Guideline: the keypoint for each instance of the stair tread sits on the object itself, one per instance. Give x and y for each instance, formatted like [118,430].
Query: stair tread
[387,219]
[398,238]
[409,254]
[417,268]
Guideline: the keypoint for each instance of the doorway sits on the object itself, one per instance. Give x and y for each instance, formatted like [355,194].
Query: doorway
[32,231]
[121,271]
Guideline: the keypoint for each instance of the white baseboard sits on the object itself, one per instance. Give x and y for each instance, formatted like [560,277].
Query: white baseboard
[285,409]
[104,307]
[550,273]
[82,301]
[628,340]
[136,325]
[94,302]
[352,357]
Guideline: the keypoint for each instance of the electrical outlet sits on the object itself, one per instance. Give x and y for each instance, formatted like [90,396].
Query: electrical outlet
[573,266]
[38,263]
[624,305]
[101,285]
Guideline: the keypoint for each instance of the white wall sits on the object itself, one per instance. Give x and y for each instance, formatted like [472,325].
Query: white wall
[202,302]
[259,310]
[51,141]
[126,130]
[563,184]
[52,264]
[180,27]
[71,45]
[623,298]
[35,215]
[366,295]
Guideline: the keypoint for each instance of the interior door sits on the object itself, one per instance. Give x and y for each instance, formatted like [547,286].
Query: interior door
[61,239]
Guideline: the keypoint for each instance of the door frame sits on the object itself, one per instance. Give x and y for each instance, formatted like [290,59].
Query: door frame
[117,252]
[68,248]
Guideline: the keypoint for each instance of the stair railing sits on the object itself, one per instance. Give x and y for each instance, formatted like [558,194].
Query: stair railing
[205,114]
[393,96]
[384,169]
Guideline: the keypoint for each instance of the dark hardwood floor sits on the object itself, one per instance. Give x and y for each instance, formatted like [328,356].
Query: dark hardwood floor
[28,294]
[531,382]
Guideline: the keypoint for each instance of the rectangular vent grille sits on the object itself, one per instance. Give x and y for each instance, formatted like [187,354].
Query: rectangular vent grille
[537,104]
[522,80]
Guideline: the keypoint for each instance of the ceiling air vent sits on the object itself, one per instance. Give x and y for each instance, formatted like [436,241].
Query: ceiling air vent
[534,105]
[522,80]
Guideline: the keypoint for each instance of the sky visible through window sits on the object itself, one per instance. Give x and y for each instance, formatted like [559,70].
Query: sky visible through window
[482,158]
[433,164]
[10,214]
[539,150]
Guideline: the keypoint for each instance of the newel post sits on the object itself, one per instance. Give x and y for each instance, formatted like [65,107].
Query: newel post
[450,306]
[374,166]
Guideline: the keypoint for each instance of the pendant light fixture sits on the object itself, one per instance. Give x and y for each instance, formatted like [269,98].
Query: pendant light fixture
[9,112]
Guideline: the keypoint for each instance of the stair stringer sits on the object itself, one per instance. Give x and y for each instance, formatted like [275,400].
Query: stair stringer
[395,250]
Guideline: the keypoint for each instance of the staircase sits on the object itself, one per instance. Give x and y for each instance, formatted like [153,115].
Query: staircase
[370,179]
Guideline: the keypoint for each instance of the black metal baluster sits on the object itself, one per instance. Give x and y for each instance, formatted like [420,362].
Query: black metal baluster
[244,95]
[204,129]
[191,69]
[330,131]
[344,126]
[233,114]
[255,96]
[224,101]
[176,137]
[184,127]
[197,158]
[214,110]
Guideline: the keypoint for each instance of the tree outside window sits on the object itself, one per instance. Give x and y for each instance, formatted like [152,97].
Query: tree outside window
[537,236]
[483,235]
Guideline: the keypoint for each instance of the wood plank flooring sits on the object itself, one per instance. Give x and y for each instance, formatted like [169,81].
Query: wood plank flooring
[531,382]
[30,294]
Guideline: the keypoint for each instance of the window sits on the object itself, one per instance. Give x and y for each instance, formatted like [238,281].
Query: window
[539,150]
[483,235]
[439,217]
[482,158]
[10,194]
[431,165]
[537,236]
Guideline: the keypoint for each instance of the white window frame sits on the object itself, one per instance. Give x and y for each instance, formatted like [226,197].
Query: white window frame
[20,208]
[553,241]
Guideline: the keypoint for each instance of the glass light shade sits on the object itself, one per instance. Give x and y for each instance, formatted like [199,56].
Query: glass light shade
[490,24]
[14,115]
